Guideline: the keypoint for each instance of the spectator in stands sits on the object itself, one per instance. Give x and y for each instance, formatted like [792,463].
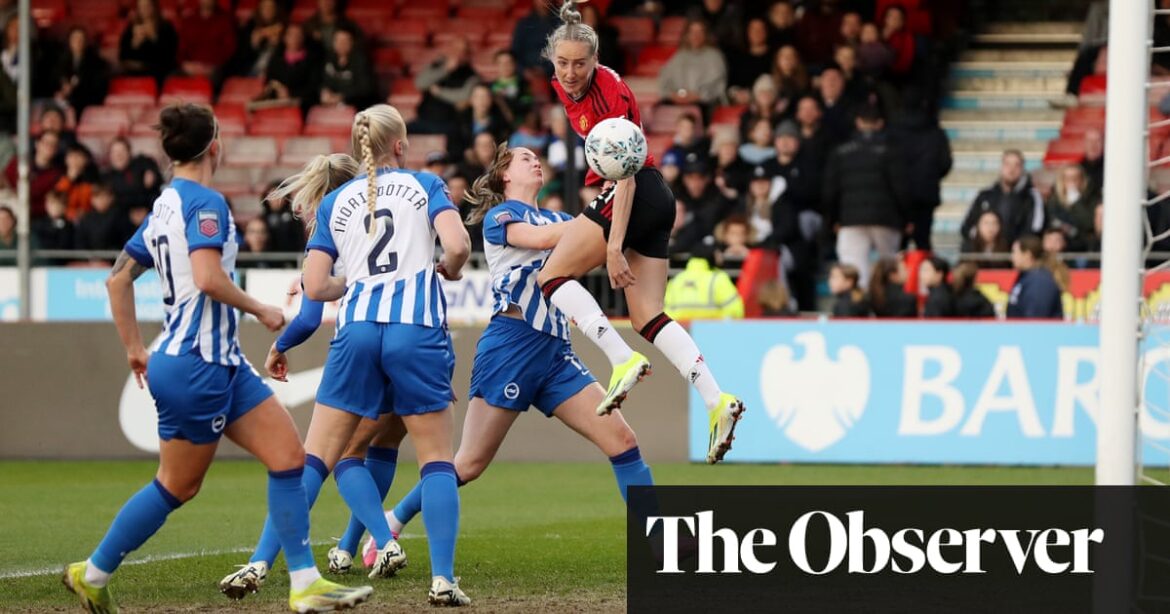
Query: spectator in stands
[940,300]
[43,173]
[479,157]
[102,227]
[149,45]
[482,115]
[82,76]
[1070,207]
[969,301]
[53,119]
[987,240]
[1013,197]
[77,181]
[874,56]
[256,241]
[438,164]
[866,196]
[928,150]
[747,62]
[1035,293]
[735,238]
[529,38]
[1094,240]
[696,73]
[726,22]
[781,24]
[887,296]
[1053,241]
[10,74]
[207,40]
[446,86]
[774,300]
[756,203]
[609,49]
[688,138]
[790,77]
[293,75]
[135,180]
[510,89]
[530,133]
[763,105]
[703,199]
[802,183]
[260,39]
[850,33]
[8,238]
[758,149]
[286,233]
[702,291]
[818,31]
[899,40]
[814,140]
[728,165]
[849,300]
[329,18]
[1094,160]
[836,109]
[856,84]
[54,231]
[558,145]
[347,77]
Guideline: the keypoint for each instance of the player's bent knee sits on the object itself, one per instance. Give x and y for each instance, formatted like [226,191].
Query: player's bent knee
[468,470]
[183,490]
[292,458]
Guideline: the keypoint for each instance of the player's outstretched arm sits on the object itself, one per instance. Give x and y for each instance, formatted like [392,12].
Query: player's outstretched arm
[211,280]
[531,236]
[320,284]
[120,287]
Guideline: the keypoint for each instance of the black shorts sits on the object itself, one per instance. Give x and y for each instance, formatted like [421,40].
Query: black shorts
[651,215]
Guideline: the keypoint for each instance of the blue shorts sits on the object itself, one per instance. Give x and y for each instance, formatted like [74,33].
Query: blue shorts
[375,368]
[517,366]
[197,400]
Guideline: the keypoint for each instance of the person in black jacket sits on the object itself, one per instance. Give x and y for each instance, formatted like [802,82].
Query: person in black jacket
[886,295]
[927,151]
[54,231]
[294,71]
[940,303]
[286,233]
[1013,197]
[848,299]
[82,76]
[1036,293]
[865,194]
[969,301]
[346,77]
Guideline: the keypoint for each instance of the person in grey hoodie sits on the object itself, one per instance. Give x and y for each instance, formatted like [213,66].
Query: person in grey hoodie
[697,73]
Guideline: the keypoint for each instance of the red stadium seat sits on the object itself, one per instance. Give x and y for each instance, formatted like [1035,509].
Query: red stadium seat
[277,121]
[499,39]
[728,114]
[251,151]
[186,89]
[234,180]
[484,13]
[45,13]
[97,145]
[651,60]
[670,30]
[658,144]
[144,86]
[104,121]
[633,30]
[330,121]
[431,11]
[665,117]
[1093,84]
[299,150]
[1064,151]
[148,146]
[241,89]
[407,31]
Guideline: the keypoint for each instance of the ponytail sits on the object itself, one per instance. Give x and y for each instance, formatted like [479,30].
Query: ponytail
[320,176]
[488,189]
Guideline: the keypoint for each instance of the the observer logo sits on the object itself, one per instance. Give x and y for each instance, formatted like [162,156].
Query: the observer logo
[856,548]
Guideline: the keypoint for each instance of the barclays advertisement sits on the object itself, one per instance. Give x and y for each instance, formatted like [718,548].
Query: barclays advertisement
[80,294]
[921,392]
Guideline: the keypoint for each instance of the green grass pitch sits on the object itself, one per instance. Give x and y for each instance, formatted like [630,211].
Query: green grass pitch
[533,536]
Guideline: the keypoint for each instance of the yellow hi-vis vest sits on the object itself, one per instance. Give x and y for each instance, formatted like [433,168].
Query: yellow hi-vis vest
[702,293]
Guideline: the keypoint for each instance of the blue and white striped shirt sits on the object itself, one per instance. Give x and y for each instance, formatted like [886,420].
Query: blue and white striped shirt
[186,217]
[391,276]
[513,269]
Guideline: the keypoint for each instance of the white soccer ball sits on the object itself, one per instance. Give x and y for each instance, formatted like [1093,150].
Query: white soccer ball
[616,149]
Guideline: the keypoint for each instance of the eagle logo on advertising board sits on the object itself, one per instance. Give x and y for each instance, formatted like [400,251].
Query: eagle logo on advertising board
[813,398]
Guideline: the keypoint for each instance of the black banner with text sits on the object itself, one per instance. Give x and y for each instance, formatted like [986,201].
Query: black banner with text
[899,549]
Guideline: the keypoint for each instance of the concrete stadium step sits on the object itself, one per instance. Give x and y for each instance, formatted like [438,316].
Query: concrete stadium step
[1024,33]
[997,147]
[1013,99]
[1010,70]
[1067,56]
[990,160]
[1053,86]
[1034,27]
[1001,131]
[999,115]
[962,192]
[979,178]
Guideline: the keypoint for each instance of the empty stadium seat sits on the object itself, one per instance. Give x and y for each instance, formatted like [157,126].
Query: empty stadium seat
[651,59]
[728,114]
[234,180]
[633,30]
[484,13]
[665,116]
[329,121]
[407,31]
[277,121]
[132,91]
[104,121]
[276,174]
[251,151]
[300,149]
[186,89]
[1093,85]
[658,144]
[241,90]
[670,30]
[1064,151]
[436,11]
[148,146]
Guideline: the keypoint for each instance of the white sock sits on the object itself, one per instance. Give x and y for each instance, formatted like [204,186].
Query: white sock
[395,524]
[573,299]
[301,579]
[94,576]
[678,346]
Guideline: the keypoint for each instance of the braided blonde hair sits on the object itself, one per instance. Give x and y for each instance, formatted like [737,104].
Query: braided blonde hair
[375,132]
[321,175]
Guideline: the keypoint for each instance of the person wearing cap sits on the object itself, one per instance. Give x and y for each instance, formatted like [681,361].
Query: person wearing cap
[763,105]
[688,138]
[437,163]
[702,198]
[702,291]
[866,197]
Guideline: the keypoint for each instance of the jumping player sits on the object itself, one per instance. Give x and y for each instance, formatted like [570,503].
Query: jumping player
[627,228]
[203,386]
[524,357]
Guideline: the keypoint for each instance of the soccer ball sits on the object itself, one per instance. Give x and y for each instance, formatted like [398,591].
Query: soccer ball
[616,149]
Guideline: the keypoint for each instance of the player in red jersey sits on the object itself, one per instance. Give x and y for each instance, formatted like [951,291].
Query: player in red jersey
[627,228]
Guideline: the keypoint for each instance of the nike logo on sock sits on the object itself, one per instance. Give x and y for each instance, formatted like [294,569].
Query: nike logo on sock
[305,542]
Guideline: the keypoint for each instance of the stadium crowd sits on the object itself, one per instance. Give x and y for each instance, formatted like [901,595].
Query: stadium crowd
[779,124]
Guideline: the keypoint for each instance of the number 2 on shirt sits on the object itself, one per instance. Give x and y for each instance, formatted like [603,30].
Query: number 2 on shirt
[376,252]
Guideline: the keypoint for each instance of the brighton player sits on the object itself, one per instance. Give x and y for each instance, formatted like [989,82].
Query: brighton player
[524,357]
[377,441]
[626,228]
[203,386]
[391,346]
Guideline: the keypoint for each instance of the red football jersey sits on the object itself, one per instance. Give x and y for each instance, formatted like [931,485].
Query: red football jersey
[608,96]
